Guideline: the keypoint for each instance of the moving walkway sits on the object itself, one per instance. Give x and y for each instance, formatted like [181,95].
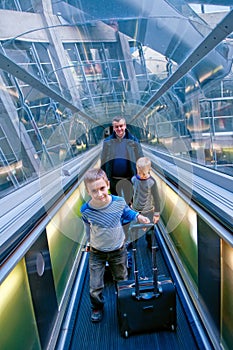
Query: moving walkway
[46,263]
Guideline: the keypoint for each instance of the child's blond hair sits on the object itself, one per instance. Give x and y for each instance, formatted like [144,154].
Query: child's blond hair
[93,175]
[143,162]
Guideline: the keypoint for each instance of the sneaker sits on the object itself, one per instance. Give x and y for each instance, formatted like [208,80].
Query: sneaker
[96,315]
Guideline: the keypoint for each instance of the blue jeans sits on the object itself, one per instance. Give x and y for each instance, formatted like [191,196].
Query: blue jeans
[117,261]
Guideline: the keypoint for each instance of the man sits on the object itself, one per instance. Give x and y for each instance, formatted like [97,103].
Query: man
[120,152]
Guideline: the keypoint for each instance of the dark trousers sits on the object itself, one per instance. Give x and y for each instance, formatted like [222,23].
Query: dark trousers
[117,261]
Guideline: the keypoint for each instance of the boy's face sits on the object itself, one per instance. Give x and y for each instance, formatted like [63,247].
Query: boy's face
[144,172]
[98,190]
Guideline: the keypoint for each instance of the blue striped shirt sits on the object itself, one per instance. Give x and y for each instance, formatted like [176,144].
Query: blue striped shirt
[104,225]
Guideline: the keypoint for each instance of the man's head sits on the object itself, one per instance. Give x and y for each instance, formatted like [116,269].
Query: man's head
[119,126]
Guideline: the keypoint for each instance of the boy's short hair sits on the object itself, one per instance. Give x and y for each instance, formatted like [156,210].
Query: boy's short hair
[93,175]
[143,162]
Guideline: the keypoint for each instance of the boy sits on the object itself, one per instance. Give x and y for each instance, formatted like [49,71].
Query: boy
[146,196]
[103,215]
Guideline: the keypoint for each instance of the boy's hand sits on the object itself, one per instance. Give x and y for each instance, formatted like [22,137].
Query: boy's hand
[143,219]
[156,218]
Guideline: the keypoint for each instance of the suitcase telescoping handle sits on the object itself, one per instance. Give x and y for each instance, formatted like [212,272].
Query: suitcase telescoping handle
[134,229]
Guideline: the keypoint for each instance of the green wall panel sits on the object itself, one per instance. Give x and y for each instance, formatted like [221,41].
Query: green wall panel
[17,322]
[65,235]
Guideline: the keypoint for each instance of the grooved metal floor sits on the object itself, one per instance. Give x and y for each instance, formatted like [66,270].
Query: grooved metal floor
[105,335]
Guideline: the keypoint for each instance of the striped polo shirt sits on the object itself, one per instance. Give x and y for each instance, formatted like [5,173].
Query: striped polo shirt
[104,225]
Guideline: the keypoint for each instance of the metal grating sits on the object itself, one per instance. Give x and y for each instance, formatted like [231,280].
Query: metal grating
[105,335]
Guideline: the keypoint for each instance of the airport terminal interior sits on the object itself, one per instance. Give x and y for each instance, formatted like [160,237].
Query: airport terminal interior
[67,68]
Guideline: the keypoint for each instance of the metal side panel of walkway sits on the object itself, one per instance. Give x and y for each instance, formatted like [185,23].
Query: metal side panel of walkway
[106,336]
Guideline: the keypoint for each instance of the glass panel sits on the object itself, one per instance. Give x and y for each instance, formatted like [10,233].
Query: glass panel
[16,311]
[40,135]
[227,301]
[65,235]
[104,61]
[181,224]
[8,5]
[26,5]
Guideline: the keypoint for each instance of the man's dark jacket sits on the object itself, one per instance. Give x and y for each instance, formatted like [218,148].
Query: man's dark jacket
[134,151]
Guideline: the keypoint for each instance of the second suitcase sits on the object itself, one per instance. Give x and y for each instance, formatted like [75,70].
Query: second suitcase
[146,305]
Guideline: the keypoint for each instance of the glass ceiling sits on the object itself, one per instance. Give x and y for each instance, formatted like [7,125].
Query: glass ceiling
[68,67]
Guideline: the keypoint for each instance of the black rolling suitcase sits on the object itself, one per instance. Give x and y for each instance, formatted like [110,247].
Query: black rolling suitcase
[146,305]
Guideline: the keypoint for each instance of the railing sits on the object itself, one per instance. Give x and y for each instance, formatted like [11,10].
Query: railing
[196,225]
